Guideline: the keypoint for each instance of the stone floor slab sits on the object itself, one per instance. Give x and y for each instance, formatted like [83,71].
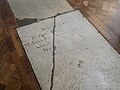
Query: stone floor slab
[38,8]
[83,59]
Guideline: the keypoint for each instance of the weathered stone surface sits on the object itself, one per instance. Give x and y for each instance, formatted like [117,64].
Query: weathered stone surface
[37,42]
[38,8]
[83,59]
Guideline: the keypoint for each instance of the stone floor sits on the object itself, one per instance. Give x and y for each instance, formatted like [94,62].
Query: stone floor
[68,53]
[38,8]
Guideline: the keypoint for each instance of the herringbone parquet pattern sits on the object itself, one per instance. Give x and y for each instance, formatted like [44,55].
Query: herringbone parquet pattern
[15,70]
[104,15]
[108,11]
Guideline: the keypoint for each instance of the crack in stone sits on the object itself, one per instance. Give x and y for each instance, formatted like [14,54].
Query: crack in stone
[58,14]
[26,21]
[54,47]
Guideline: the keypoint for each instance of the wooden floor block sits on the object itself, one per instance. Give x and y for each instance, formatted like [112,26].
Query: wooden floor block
[102,20]
[2,87]
[9,73]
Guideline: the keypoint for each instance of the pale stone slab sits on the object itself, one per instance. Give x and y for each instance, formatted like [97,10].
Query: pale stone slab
[84,60]
[38,8]
[37,42]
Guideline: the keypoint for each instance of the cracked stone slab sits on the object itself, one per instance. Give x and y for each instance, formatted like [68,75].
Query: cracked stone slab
[25,21]
[84,60]
[38,8]
[37,41]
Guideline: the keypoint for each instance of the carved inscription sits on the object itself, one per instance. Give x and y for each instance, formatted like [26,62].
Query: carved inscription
[40,41]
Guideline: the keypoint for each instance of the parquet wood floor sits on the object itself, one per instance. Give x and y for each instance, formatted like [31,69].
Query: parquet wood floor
[104,15]
[15,70]
[108,11]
